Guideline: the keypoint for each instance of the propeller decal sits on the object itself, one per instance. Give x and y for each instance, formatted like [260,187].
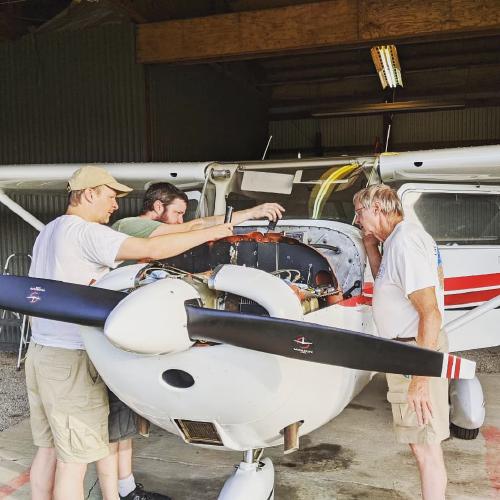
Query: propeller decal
[57,300]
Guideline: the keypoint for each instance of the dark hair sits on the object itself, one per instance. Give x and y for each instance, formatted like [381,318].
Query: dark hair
[164,192]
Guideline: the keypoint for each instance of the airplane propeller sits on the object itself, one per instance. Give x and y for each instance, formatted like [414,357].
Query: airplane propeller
[322,344]
[57,300]
[90,306]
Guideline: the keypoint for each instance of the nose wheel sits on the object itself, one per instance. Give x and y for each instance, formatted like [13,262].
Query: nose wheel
[253,479]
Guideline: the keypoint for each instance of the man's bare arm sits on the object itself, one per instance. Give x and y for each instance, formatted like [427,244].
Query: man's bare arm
[272,211]
[429,325]
[179,228]
[168,245]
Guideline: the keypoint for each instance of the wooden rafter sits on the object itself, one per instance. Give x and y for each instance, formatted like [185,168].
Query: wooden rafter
[312,27]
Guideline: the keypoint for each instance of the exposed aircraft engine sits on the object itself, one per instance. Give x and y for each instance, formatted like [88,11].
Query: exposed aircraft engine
[269,275]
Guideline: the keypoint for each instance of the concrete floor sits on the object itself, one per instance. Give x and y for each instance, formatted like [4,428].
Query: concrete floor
[353,457]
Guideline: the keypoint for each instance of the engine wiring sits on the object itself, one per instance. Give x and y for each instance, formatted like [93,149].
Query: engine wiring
[289,272]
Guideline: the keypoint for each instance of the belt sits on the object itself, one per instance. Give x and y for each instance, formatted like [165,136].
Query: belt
[405,339]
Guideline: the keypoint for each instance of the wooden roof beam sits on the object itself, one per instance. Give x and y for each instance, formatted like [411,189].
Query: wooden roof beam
[311,27]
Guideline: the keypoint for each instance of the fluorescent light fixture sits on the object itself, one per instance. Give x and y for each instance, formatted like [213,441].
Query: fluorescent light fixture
[392,107]
[385,58]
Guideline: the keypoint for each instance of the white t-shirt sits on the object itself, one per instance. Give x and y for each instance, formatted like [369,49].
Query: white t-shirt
[410,262]
[76,251]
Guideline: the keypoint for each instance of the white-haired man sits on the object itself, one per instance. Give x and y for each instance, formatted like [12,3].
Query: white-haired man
[408,306]
[68,400]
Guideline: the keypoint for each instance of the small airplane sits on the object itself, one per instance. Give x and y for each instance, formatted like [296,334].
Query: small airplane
[255,340]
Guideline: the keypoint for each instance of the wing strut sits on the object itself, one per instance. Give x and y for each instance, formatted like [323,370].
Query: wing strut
[19,210]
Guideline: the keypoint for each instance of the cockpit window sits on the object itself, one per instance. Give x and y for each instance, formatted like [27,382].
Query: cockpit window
[317,193]
[456,218]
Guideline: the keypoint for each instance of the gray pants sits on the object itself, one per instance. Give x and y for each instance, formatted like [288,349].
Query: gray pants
[122,421]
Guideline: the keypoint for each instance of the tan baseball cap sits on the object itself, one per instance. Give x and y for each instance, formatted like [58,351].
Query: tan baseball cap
[91,176]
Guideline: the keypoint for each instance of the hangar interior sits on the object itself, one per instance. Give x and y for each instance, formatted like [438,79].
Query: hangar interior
[166,81]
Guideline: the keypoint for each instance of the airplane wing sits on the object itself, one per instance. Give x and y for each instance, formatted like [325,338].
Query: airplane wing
[55,177]
[137,175]
[300,340]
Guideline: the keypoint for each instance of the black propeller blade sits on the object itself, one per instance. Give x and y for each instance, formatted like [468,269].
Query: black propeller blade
[85,305]
[321,344]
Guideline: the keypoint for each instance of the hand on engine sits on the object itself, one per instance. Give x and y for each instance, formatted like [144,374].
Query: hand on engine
[222,230]
[272,211]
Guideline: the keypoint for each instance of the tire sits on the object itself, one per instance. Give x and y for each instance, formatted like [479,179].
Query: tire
[461,433]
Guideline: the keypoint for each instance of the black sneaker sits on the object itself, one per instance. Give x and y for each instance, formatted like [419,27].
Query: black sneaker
[140,494]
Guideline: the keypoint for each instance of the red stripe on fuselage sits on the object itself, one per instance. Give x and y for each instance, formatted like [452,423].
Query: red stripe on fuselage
[457,283]
[468,282]
[470,297]
[457,368]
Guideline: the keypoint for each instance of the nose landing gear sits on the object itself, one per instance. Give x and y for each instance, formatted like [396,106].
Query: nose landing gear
[253,479]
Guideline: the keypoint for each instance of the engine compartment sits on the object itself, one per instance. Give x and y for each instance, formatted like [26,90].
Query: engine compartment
[306,258]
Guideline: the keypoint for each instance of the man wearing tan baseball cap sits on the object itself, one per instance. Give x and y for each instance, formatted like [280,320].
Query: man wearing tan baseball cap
[92,176]
[68,400]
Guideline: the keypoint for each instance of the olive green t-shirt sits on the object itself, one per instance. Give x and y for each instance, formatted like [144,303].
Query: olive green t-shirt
[138,227]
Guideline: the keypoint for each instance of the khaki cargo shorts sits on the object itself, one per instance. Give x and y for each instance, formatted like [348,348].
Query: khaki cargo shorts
[68,403]
[405,419]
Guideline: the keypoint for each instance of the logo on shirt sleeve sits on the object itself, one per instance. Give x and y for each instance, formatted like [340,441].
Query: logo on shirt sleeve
[440,270]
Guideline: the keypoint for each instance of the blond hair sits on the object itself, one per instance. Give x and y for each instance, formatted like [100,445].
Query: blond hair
[387,198]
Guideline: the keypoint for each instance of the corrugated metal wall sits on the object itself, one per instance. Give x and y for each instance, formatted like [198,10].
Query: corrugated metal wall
[199,113]
[357,134]
[80,97]
[470,125]
[309,136]
[72,97]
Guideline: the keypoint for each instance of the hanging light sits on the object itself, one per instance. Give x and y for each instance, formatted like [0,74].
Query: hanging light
[385,58]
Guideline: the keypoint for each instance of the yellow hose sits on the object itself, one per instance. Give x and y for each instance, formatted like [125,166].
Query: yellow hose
[321,193]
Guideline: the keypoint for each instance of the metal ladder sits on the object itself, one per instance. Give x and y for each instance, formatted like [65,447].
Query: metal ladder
[17,320]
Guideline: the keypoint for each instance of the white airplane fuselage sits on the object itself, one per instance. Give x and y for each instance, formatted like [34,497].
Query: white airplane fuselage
[248,396]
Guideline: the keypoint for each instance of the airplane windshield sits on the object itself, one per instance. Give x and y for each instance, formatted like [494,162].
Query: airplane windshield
[316,193]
